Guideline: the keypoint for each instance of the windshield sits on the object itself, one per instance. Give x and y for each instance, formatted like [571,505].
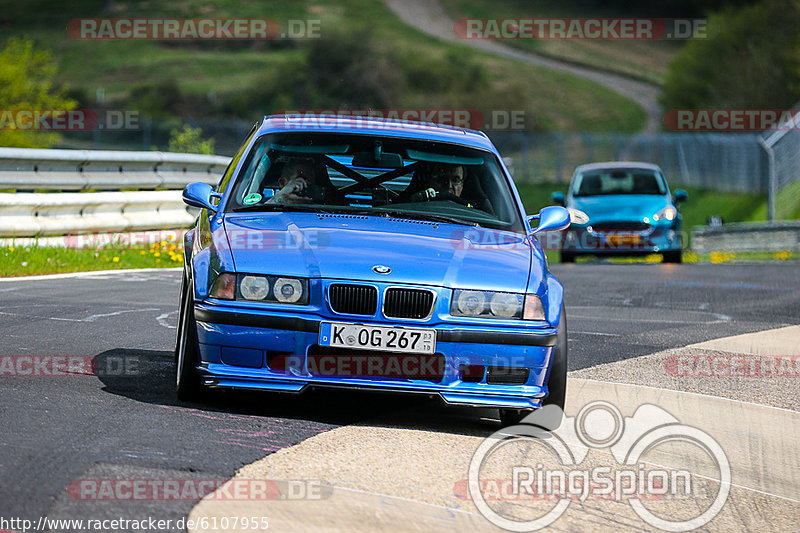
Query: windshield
[619,181]
[373,175]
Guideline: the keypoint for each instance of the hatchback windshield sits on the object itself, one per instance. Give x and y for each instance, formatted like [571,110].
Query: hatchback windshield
[380,176]
[619,181]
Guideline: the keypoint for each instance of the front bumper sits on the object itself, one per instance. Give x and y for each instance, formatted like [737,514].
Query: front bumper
[473,365]
[657,238]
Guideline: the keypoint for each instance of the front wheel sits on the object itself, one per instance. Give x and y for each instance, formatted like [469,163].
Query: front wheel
[567,257]
[556,382]
[187,381]
[673,257]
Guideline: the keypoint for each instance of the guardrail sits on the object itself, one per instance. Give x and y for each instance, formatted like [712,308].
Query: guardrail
[748,237]
[26,213]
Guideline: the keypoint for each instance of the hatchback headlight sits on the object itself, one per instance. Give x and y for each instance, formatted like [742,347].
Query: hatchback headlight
[487,304]
[576,216]
[668,213]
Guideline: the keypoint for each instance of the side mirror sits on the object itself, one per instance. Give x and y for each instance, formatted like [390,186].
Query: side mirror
[199,194]
[681,195]
[551,218]
[557,198]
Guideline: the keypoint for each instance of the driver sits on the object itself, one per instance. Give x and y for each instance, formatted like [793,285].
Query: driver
[297,176]
[447,179]
[440,179]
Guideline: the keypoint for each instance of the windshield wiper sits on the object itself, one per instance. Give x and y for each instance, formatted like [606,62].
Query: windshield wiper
[369,212]
[429,216]
[285,207]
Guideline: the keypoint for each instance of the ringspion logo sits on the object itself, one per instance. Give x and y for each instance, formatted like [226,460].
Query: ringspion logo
[553,471]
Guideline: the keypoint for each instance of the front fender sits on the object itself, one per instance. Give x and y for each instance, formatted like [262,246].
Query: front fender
[211,253]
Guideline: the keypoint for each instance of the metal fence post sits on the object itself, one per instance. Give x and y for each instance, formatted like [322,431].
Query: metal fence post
[772,189]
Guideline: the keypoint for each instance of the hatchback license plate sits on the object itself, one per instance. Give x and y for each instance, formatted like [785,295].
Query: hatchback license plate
[386,338]
[623,239]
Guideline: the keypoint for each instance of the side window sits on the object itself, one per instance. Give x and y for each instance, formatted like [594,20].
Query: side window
[228,174]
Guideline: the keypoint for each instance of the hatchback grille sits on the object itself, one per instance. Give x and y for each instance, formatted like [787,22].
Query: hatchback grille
[354,299]
[407,303]
[620,226]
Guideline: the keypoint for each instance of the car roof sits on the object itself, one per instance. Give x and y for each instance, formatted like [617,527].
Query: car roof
[617,164]
[362,125]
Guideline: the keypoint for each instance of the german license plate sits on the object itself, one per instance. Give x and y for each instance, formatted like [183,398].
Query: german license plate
[623,240]
[386,338]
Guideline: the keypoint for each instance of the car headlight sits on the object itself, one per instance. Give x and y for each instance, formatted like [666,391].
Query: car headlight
[668,213]
[576,216]
[469,303]
[255,288]
[487,304]
[288,290]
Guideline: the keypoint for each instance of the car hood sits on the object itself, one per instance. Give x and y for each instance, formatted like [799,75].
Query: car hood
[614,207]
[349,246]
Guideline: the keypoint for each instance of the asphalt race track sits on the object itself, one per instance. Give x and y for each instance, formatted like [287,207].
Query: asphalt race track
[124,421]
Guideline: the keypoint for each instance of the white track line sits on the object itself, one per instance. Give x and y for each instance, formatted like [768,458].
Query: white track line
[89,273]
[162,319]
[751,489]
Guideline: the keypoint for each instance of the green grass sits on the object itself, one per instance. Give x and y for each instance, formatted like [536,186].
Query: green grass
[644,60]
[34,260]
[787,204]
[550,100]
[731,206]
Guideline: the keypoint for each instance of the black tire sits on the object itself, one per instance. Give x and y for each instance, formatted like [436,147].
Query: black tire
[187,381]
[673,257]
[556,383]
[567,257]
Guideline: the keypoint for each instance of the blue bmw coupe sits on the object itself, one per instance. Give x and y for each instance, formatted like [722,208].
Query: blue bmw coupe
[371,254]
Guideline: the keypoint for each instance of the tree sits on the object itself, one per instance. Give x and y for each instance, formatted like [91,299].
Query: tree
[751,62]
[27,83]
[190,141]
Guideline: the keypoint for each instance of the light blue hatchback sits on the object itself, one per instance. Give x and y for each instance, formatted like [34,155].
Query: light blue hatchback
[621,208]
